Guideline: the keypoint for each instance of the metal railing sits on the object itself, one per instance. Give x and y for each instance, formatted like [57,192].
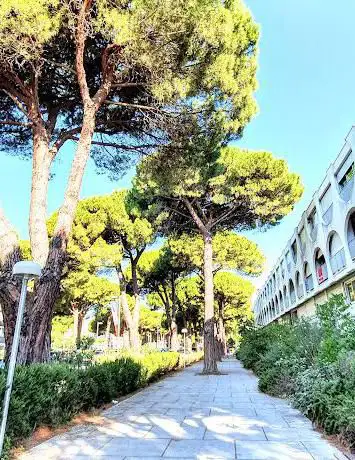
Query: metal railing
[337,261]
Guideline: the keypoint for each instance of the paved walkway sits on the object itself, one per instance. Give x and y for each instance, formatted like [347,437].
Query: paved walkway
[187,416]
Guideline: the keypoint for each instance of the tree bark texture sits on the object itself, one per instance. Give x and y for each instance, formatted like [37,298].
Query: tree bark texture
[132,326]
[41,164]
[78,324]
[36,330]
[174,340]
[35,334]
[210,352]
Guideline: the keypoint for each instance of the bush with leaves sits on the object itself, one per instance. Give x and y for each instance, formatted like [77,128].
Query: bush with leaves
[312,361]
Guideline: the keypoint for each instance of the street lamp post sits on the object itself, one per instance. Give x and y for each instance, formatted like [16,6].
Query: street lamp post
[26,270]
[97,328]
[184,331]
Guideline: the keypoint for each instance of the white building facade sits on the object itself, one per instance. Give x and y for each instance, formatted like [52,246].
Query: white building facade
[319,258]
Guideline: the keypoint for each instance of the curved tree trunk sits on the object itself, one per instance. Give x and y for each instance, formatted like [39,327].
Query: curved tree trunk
[35,333]
[174,340]
[133,331]
[41,164]
[210,354]
[36,330]
[78,324]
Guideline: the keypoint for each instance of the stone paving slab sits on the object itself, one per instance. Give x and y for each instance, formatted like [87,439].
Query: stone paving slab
[188,416]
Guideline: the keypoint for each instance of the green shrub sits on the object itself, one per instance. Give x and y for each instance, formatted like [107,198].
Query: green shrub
[337,327]
[312,361]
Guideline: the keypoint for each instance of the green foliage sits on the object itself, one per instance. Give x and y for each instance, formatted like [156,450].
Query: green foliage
[312,362]
[188,56]
[60,336]
[51,394]
[149,320]
[230,252]
[231,188]
[338,329]
[232,295]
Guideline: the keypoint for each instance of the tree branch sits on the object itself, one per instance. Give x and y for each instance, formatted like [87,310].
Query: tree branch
[9,245]
[223,216]
[63,137]
[16,101]
[201,226]
[128,85]
[80,39]
[16,123]
[134,106]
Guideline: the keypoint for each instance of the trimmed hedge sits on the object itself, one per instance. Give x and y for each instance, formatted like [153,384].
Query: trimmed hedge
[51,394]
[311,362]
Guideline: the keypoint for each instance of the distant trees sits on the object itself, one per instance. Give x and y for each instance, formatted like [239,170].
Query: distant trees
[117,78]
[81,286]
[210,189]
[232,295]
[160,272]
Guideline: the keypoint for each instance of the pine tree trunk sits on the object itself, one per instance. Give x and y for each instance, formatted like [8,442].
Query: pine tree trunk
[108,326]
[210,355]
[78,324]
[134,332]
[174,340]
[36,331]
[41,164]
[132,326]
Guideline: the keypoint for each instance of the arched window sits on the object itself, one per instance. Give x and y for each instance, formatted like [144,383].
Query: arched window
[351,234]
[308,278]
[277,306]
[286,302]
[281,302]
[299,286]
[292,292]
[321,267]
[336,253]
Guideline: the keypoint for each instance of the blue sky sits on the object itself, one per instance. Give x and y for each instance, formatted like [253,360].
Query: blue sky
[306,103]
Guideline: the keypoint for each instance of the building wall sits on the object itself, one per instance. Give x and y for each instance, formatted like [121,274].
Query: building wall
[320,256]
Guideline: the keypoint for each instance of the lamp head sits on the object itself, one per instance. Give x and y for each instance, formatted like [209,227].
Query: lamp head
[27,268]
[184,331]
